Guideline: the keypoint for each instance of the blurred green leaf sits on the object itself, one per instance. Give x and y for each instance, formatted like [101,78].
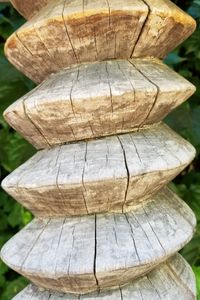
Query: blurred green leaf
[197,275]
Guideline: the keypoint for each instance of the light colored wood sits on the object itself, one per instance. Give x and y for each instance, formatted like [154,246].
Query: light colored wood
[84,254]
[98,99]
[166,27]
[68,32]
[28,8]
[112,174]
[170,281]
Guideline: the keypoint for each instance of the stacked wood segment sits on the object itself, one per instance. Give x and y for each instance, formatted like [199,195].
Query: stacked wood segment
[171,280]
[106,225]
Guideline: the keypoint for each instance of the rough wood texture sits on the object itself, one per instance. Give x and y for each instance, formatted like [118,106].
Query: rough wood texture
[28,8]
[83,254]
[98,99]
[111,174]
[68,32]
[170,281]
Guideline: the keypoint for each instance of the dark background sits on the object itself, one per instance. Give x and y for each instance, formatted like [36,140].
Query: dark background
[14,150]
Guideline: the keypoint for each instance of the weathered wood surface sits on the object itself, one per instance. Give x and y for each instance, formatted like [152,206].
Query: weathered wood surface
[112,174]
[98,99]
[68,32]
[170,281]
[28,8]
[83,254]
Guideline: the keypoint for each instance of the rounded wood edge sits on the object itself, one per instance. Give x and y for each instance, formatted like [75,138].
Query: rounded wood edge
[176,270]
[163,228]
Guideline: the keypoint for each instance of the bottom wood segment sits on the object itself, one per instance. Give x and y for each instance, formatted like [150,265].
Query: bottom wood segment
[173,280]
[97,252]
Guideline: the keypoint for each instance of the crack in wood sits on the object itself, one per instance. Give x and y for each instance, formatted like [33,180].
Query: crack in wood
[34,244]
[34,124]
[127,170]
[95,253]
[156,290]
[83,174]
[155,99]
[132,236]
[67,32]
[180,281]
[142,28]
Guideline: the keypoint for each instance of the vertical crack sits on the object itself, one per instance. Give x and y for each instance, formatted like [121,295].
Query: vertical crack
[95,42]
[140,225]
[121,294]
[72,247]
[43,43]
[136,150]
[115,233]
[154,231]
[132,236]
[34,124]
[74,81]
[127,78]
[111,97]
[67,32]
[95,252]
[143,27]
[128,173]
[109,13]
[141,294]
[57,181]
[59,240]
[83,174]
[35,242]
[180,281]
[155,99]
[157,292]
[156,149]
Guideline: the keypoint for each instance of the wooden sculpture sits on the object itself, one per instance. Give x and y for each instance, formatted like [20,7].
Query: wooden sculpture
[106,225]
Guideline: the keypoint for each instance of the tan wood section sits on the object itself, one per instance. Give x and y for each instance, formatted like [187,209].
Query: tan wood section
[28,8]
[98,99]
[112,174]
[68,32]
[172,280]
[87,253]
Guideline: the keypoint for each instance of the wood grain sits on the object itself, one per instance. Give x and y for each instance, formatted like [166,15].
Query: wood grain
[28,8]
[64,33]
[112,174]
[171,280]
[88,253]
[98,99]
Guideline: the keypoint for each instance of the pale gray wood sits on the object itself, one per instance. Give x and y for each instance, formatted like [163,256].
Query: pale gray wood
[112,174]
[68,32]
[83,254]
[98,99]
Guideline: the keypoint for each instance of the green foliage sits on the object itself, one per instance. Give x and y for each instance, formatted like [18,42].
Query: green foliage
[15,150]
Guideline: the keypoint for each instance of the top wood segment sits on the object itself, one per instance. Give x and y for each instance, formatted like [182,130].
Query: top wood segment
[68,32]
[28,8]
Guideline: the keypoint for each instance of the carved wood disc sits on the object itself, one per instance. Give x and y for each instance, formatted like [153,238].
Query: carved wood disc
[83,254]
[98,99]
[112,174]
[69,32]
[171,280]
